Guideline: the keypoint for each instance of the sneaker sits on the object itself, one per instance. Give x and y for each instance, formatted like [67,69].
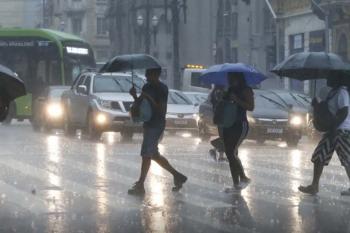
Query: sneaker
[212,154]
[137,189]
[308,189]
[345,193]
[179,180]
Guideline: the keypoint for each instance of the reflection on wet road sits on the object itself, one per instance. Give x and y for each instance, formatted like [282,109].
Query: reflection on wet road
[51,183]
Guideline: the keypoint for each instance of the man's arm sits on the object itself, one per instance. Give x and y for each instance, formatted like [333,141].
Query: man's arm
[341,116]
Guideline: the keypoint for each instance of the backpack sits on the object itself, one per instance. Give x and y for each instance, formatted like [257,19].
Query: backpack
[323,119]
[225,114]
[141,111]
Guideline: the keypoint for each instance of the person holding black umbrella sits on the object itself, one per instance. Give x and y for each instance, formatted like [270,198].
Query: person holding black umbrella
[337,138]
[157,94]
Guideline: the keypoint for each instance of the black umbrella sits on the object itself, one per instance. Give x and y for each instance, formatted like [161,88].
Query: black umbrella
[312,65]
[130,62]
[11,87]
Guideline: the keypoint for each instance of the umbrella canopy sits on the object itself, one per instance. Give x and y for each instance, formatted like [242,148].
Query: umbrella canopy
[130,62]
[311,65]
[218,74]
[11,87]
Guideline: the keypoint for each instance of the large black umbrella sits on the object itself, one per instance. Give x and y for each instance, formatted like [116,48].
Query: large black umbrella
[312,65]
[11,87]
[130,62]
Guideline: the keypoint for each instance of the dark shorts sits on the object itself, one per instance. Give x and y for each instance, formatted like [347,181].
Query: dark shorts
[151,138]
[339,142]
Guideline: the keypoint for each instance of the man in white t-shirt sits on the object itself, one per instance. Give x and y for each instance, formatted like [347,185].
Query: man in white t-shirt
[338,139]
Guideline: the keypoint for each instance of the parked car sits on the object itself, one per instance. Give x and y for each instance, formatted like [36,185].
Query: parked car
[275,117]
[101,102]
[48,109]
[197,98]
[182,115]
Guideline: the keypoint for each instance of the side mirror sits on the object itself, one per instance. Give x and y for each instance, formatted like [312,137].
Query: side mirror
[82,89]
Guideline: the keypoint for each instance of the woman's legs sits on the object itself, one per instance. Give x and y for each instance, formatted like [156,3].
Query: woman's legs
[233,137]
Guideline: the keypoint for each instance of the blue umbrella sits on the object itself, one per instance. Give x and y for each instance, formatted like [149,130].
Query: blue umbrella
[218,74]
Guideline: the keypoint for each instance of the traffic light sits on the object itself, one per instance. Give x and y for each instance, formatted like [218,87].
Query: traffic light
[246,2]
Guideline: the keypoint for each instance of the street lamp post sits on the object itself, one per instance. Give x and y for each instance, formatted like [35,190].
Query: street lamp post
[155,22]
[140,22]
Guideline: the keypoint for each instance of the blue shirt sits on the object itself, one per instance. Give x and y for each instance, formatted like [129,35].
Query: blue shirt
[159,93]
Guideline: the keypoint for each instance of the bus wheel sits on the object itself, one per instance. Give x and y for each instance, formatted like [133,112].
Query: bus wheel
[11,114]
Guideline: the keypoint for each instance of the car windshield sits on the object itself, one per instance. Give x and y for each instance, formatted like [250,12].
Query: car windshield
[288,98]
[105,83]
[57,93]
[178,98]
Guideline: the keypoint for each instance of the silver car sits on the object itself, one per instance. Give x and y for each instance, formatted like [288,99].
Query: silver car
[182,115]
[98,103]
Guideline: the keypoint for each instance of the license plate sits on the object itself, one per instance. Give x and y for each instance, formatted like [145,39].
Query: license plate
[180,122]
[274,130]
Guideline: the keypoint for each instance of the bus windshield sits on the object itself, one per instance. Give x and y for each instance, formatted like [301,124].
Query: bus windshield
[77,57]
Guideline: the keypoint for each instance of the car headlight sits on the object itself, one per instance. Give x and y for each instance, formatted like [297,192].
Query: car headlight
[105,103]
[296,120]
[54,110]
[251,120]
[196,117]
[101,119]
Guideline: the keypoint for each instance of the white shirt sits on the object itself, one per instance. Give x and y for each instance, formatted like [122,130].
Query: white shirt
[339,101]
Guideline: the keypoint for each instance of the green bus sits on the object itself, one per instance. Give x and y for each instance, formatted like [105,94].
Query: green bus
[42,58]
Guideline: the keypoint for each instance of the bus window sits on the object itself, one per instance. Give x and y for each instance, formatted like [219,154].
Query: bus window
[196,82]
[54,73]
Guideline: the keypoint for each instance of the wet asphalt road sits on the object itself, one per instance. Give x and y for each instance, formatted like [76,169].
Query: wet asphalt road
[51,183]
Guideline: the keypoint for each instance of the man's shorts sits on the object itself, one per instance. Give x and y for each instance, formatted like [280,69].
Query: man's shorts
[339,142]
[151,138]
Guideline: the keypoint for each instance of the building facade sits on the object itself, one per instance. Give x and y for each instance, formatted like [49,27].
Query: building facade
[84,18]
[175,34]
[21,13]
[246,33]
[300,31]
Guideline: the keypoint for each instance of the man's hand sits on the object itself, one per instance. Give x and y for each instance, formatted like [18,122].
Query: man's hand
[133,92]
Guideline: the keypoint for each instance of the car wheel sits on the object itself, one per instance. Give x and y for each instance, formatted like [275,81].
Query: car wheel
[93,132]
[11,114]
[127,135]
[172,132]
[293,141]
[260,141]
[202,133]
[69,130]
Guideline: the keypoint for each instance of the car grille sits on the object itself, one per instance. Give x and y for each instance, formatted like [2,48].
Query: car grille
[273,122]
[127,105]
[115,105]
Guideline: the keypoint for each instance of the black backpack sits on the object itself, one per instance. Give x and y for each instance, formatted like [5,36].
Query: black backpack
[323,119]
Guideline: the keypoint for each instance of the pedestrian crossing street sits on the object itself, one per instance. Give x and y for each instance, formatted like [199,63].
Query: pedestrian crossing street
[59,182]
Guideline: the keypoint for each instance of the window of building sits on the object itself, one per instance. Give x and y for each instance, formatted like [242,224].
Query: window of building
[296,43]
[102,26]
[77,25]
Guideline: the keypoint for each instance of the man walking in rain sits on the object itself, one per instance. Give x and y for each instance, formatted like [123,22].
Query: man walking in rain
[157,94]
[338,139]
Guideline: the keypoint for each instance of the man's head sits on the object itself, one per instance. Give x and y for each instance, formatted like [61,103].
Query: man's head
[335,82]
[153,75]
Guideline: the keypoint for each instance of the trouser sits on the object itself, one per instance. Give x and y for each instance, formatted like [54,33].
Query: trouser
[233,138]
[218,143]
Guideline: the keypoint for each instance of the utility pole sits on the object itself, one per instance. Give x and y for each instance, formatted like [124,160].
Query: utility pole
[147,26]
[176,44]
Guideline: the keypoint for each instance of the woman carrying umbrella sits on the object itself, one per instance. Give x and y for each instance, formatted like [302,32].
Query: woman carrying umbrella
[241,94]
[239,78]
